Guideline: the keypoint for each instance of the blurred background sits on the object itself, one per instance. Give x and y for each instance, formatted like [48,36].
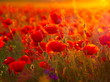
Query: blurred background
[60,3]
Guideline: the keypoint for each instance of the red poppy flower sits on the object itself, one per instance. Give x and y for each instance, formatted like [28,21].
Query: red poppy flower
[5,38]
[8,60]
[9,35]
[2,43]
[13,30]
[37,36]
[56,18]
[17,66]
[71,45]
[90,49]
[105,39]
[44,65]
[51,29]
[25,58]
[7,22]
[55,46]
[77,44]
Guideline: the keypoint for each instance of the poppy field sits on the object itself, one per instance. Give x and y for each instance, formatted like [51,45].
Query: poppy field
[54,44]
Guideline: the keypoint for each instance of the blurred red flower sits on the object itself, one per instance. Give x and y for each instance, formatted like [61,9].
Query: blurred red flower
[9,36]
[51,29]
[8,60]
[17,66]
[2,43]
[77,44]
[6,22]
[44,65]
[37,36]
[26,59]
[56,18]
[105,39]
[55,46]
[90,49]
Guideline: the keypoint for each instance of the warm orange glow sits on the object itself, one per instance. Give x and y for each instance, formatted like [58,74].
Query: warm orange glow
[90,3]
[67,4]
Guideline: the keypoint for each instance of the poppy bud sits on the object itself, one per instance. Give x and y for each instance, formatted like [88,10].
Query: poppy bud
[56,18]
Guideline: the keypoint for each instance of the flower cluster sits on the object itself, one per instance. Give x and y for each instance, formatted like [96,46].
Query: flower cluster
[76,45]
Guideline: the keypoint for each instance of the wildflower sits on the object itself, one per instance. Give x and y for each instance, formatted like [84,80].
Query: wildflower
[5,38]
[105,39]
[70,44]
[9,35]
[7,22]
[13,31]
[25,58]
[2,43]
[8,60]
[51,73]
[37,36]
[55,46]
[53,76]
[77,44]
[56,18]
[17,66]
[51,29]
[90,49]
